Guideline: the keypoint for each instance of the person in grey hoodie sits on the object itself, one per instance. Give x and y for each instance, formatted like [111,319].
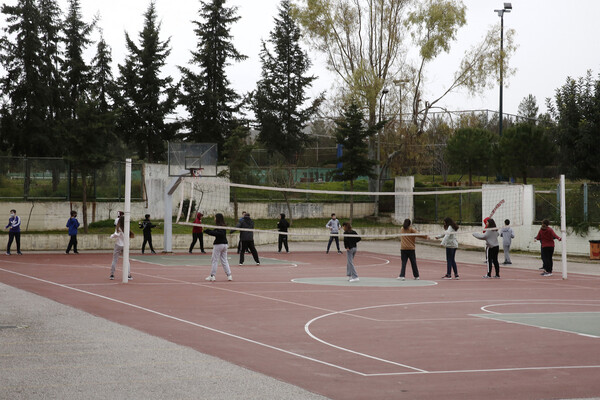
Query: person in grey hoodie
[490,236]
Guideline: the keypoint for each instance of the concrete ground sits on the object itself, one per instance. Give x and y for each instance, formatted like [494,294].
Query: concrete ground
[52,351]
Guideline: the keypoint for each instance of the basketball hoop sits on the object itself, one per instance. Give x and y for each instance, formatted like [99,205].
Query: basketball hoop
[196,172]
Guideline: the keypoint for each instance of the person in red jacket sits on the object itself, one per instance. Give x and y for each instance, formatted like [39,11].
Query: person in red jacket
[197,234]
[546,235]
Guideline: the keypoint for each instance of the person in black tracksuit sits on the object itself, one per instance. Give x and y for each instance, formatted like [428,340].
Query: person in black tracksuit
[247,239]
[146,225]
[282,226]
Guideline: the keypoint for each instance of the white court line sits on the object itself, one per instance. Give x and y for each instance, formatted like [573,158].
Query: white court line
[417,370]
[188,322]
[485,309]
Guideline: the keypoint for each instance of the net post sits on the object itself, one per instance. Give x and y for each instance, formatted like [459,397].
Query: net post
[563,226]
[127,219]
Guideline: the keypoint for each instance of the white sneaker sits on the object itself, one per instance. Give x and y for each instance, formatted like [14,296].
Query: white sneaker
[417,278]
[210,278]
[257,263]
[401,278]
[354,280]
[229,277]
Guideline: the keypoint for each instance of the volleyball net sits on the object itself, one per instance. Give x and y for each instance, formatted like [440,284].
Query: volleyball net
[425,207]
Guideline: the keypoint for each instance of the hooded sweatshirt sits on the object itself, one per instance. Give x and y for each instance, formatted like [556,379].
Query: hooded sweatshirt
[198,220]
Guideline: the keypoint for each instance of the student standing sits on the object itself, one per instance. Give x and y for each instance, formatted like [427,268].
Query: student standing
[282,226]
[491,242]
[334,229]
[507,235]
[72,224]
[239,246]
[197,234]
[119,237]
[450,242]
[14,232]
[247,239]
[546,235]
[350,240]
[146,225]
[407,249]
[219,249]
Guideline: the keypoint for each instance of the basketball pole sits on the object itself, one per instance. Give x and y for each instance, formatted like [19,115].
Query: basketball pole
[563,226]
[127,220]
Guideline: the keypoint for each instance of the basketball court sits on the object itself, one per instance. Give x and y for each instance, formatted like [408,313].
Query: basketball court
[297,319]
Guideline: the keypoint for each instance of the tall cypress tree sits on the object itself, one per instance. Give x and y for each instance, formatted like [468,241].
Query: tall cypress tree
[280,93]
[146,99]
[207,95]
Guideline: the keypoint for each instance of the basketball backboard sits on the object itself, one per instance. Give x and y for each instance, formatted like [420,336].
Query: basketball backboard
[185,157]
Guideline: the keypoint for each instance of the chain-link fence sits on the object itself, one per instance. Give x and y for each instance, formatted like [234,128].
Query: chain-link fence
[27,178]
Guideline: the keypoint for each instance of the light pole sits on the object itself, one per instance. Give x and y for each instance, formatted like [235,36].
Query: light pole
[507,8]
[384,91]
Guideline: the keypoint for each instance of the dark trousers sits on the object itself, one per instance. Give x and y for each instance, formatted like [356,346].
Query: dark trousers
[547,253]
[493,259]
[248,245]
[197,237]
[450,261]
[147,239]
[16,236]
[411,255]
[337,242]
[72,243]
[283,240]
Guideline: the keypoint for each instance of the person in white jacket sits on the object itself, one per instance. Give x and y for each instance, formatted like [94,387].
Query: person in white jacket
[507,235]
[490,236]
[119,237]
[451,244]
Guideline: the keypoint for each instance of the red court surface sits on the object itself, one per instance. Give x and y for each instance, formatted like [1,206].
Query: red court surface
[518,337]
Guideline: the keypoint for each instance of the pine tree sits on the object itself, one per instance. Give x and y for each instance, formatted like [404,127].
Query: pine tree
[51,58]
[146,99]
[103,87]
[75,70]
[280,92]
[24,114]
[207,95]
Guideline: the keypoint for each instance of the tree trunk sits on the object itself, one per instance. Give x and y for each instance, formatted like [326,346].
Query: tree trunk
[351,200]
[235,204]
[84,201]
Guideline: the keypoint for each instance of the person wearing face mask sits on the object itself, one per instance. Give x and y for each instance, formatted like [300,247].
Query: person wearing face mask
[14,232]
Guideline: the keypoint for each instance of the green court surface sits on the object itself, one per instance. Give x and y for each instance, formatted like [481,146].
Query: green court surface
[581,323]
[371,282]
[193,260]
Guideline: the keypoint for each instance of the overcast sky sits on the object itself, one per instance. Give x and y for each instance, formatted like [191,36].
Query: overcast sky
[555,39]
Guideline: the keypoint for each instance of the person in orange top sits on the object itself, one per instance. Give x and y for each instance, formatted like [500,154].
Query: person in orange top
[546,235]
[407,249]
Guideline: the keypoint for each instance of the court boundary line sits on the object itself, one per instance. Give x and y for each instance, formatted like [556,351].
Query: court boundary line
[288,352]
[418,370]
[484,309]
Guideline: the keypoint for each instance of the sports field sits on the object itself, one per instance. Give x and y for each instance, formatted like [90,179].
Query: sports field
[296,319]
